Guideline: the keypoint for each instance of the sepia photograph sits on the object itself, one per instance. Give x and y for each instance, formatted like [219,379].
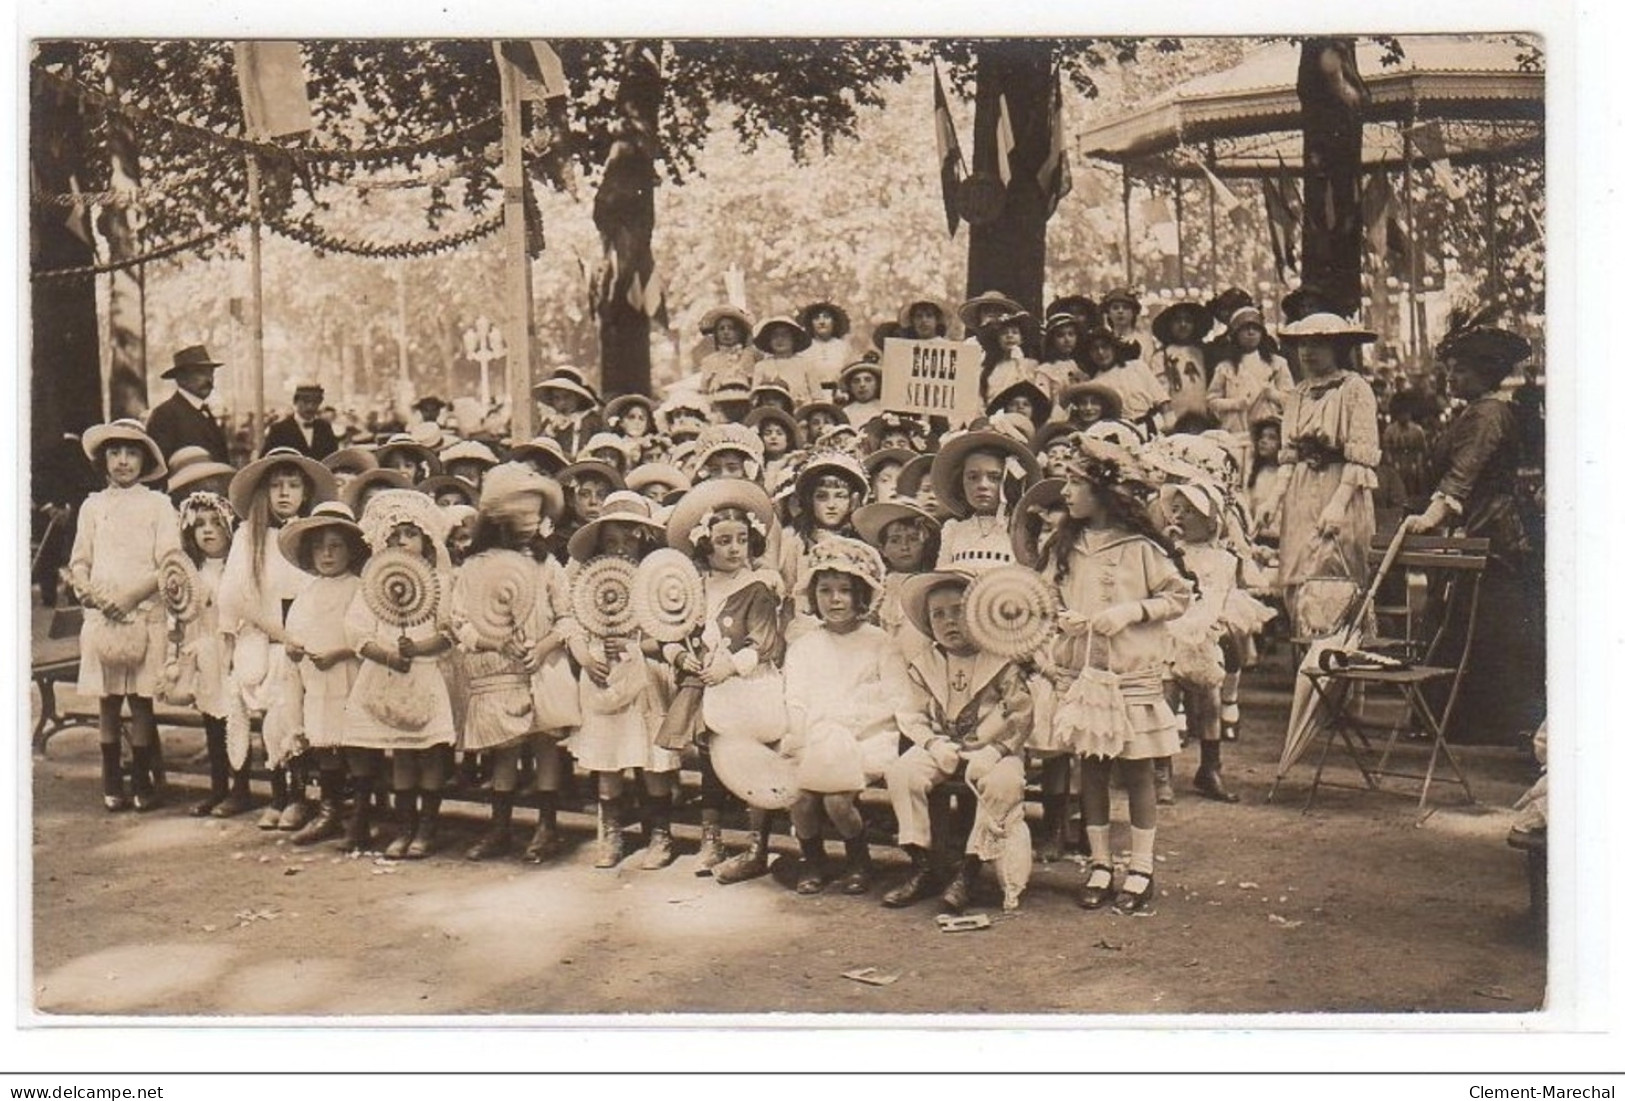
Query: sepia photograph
[718,526]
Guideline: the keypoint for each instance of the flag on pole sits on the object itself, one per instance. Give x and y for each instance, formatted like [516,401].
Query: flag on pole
[1223,197]
[538,75]
[1384,232]
[78,218]
[536,67]
[271,78]
[1006,140]
[1283,209]
[1429,142]
[950,160]
[1055,174]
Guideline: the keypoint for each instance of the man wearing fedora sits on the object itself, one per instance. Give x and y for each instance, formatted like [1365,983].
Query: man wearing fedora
[305,431]
[185,419]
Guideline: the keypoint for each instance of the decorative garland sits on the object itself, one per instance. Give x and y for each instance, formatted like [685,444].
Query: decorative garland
[136,261]
[126,197]
[308,233]
[440,144]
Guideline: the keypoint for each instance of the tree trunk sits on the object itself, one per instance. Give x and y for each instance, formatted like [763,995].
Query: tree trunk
[65,364]
[1007,253]
[1333,98]
[624,212]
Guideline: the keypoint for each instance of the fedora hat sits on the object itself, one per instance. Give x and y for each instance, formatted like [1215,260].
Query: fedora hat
[803,339]
[188,358]
[918,589]
[125,430]
[948,468]
[623,506]
[707,497]
[190,465]
[247,480]
[329,514]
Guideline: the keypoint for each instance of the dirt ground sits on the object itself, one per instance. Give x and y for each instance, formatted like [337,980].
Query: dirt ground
[1351,907]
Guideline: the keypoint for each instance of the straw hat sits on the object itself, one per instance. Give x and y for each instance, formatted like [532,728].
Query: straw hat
[731,393]
[918,588]
[570,474]
[125,431]
[1043,496]
[845,556]
[1162,326]
[368,479]
[774,415]
[807,409]
[704,499]
[861,366]
[971,307]
[544,450]
[403,443]
[622,506]
[1022,388]
[1118,432]
[843,323]
[873,461]
[1243,316]
[708,321]
[728,437]
[351,460]
[1111,401]
[1326,326]
[469,451]
[914,474]
[190,465]
[837,463]
[888,421]
[871,520]
[905,316]
[948,468]
[803,339]
[441,483]
[568,380]
[328,514]
[247,480]
[1120,294]
[1224,305]
[507,482]
[615,410]
[188,358]
[1026,322]
[641,477]
[1081,309]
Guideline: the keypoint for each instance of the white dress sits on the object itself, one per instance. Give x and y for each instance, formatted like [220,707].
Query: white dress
[825,360]
[619,722]
[316,623]
[262,677]
[392,710]
[121,537]
[976,543]
[842,693]
[203,644]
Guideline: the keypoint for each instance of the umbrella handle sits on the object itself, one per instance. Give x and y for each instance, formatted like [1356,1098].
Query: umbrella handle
[1368,596]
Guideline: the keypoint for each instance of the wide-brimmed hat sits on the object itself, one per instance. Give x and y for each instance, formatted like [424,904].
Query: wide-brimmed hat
[684,401]
[733,392]
[919,587]
[190,465]
[394,507]
[708,321]
[1120,294]
[541,448]
[569,380]
[607,441]
[914,474]
[623,506]
[971,306]
[1122,350]
[843,323]
[905,316]
[1080,308]
[1042,405]
[247,481]
[1049,434]
[1119,432]
[871,519]
[328,514]
[1057,321]
[616,409]
[838,463]
[1026,322]
[888,421]
[507,482]
[1489,349]
[859,367]
[771,386]
[774,415]
[1224,305]
[402,443]
[843,555]
[807,409]
[873,461]
[1326,326]
[1111,401]
[1103,463]
[1162,326]
[188,358]
[1023,539]
[643,476]
[803,339]
[469,451]
[1018,426]
[367,479]
[440,483]
[718,493]
[572,473]
[125,430]
[351,460]
[948,469]
[885,331]
[728,437]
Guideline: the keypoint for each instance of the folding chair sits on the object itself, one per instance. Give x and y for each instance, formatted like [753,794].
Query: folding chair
[1344,683]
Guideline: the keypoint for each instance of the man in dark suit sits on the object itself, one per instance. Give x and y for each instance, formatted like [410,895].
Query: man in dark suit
[184,418]
[305,431]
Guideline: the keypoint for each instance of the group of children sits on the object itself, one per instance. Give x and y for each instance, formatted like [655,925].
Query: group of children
[836,648]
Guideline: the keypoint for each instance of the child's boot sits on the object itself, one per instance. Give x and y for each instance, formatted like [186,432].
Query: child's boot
[358,829]
[611,837]
[145,792]
[810,877]
[1208,782]
[860,870]
[113,797]
[921,881]
[659,852]
[750,864]
[711,851]
[428,829]
[406,810]
[956,896]
[544,843]
[219,770]
[329,822]
[239,801]
[497,839]
[1163,770]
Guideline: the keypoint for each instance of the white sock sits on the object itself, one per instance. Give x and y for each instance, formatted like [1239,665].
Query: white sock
[1100,844]
[1142,845]
[1231,713]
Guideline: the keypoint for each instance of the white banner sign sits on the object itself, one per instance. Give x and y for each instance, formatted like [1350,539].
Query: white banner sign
[931,377]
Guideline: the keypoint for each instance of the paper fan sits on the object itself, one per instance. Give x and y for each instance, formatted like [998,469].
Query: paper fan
[501,591]
[1010,611]
[668,596]
[754,772]
[602,596]
[400,588]
[178,585]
